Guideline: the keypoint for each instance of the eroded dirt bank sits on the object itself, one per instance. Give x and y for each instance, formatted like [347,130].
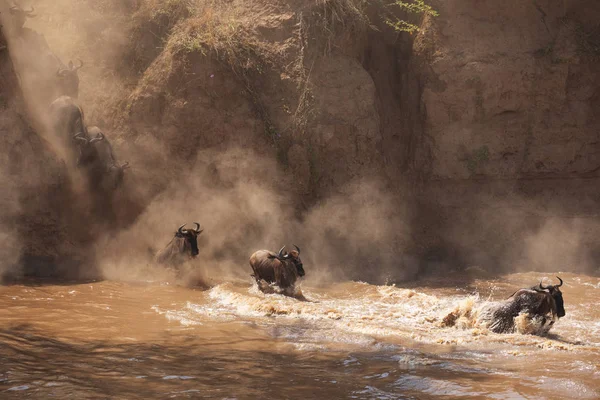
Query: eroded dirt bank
[471,143]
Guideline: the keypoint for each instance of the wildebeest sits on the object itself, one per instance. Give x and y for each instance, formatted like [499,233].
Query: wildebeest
[53,77]
[87,145]
[543,303]
[181,248]
[281,268]
[68,78]
[20,15]
[67,123]
[104,169]
[43,71]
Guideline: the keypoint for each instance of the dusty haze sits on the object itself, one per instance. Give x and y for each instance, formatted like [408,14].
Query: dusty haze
[268,131]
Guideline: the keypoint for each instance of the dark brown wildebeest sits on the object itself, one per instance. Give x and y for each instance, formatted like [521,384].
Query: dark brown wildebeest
[88,144]
[181,248]
[281,268]
[104,169]
[48,72]
[67,123]
[544,303]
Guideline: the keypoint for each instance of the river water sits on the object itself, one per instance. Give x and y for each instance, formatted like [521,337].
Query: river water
[111,339]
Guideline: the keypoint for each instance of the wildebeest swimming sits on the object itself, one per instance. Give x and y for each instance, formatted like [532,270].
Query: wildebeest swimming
[181,248]
[544,303]
[540,306]
[281,268]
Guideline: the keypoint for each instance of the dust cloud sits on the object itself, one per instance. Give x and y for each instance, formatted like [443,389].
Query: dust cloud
[522,234]
[558,243]
[44,219]
[244,200]
[9,204]
[359,234]
[241,202]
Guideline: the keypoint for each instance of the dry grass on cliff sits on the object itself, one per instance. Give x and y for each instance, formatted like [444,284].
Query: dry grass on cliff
[232,33]
[229,30]
[332,17]
[227,33]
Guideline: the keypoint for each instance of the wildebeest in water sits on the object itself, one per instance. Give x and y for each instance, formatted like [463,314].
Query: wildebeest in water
[181,248]
[282,269]
[541,305]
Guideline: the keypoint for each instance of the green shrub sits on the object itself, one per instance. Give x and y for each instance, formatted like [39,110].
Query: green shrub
[416,7]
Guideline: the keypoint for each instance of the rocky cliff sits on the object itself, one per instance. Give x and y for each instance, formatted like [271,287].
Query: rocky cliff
[511,98]
[479,132]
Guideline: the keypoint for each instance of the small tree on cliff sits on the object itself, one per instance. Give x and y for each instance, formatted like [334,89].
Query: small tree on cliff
[416,7]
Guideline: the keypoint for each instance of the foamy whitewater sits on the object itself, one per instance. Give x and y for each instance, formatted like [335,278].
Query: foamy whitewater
[346,340]
[360,314]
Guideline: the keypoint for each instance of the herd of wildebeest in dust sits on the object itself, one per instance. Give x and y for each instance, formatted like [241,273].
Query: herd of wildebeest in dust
[88,149]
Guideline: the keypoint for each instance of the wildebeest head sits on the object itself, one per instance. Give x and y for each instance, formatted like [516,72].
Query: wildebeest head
[191,237]
[116,174]
[87,152]
[112,173]
[293,256]
[20,15]
[69,79]
[556,294]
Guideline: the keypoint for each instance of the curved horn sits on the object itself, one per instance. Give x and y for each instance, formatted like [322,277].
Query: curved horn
[544,287]
[80,65]
[79,136]
[125,165]
[62,72]
[99,137]
[30,13]
[561,282]
[179,230]
[297,248]
[14,9]
[197,227]
[280,252]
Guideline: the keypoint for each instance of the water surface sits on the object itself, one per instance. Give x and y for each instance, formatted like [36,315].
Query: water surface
[349,340]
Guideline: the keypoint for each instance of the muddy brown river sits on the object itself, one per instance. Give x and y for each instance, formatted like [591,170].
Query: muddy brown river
[353,340]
